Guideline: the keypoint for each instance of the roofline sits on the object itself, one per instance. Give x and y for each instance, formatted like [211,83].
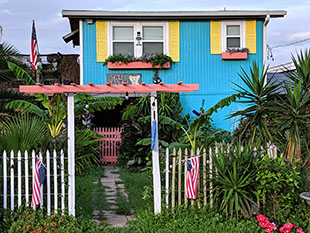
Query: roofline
[83,14]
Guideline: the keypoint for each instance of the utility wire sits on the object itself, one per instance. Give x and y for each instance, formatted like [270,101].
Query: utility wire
[292,43]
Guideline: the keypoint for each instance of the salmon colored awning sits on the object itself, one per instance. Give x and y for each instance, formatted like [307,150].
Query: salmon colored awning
[108,88]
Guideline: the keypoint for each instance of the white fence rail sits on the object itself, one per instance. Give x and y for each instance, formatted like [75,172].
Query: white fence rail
[15,166]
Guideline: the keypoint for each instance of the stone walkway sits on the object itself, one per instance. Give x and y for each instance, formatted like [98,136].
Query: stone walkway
[113,183]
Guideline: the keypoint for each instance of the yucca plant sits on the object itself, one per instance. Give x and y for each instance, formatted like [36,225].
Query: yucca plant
[234,180]
[257,93]
[292,117]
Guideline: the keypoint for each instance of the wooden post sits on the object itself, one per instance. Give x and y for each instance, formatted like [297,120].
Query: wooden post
[185,175]
[12,179]
[167,178]
[155,156]
[210,177]
[173,180]
[204,171]
[26,178]
[48,182]
[55,182]
[5,182]
[180,177]
[71,156]
[19,178]
[198,179]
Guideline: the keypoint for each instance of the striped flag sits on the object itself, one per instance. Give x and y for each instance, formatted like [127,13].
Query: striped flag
[192,177]
[34,48]
[37,189]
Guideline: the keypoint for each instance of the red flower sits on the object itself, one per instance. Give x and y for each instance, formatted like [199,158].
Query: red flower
[46,230]
[18,228]
[28,227]
[28,217]
[263,224]
[18,218]
[299,230]
[288,225]
[53,216]
[61,219]
[261,218]
[33,232]
[40,228]
[53,224]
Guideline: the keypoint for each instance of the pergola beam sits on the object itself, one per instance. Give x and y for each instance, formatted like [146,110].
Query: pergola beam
[108,88]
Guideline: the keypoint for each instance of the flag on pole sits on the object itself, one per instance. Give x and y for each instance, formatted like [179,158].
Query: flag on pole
[34,48]
[37,189]
[192,177]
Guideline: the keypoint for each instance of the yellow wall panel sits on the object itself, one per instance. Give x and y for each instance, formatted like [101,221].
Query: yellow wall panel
[215,37]
[101,40]
[174,40]
[250,35]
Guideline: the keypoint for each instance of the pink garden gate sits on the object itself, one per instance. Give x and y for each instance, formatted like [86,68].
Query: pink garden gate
[111,141]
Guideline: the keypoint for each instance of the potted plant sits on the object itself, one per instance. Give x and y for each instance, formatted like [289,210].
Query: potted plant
[235,54]
[145,62]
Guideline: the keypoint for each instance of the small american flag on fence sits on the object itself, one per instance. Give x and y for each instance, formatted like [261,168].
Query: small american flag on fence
[192,177]
[34,48]
[37,189]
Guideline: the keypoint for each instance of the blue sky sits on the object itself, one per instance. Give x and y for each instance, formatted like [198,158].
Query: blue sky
[16,17]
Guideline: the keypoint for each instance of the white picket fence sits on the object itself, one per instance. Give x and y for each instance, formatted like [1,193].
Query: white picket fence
[54,187]
[176,173]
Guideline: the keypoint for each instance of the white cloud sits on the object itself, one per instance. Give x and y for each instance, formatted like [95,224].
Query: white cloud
[6,11]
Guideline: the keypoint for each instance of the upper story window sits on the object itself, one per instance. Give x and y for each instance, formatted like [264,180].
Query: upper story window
[138,38]
[233,35]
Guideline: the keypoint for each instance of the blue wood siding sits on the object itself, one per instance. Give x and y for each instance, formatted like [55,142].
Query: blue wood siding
[197,65]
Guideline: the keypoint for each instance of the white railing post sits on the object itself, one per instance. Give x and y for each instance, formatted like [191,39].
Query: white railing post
[48,182]
[26,178]
[33,154]
[55,181]
[5,181]
[167,178]
[155,155]
[62,181]
[12,179]
[42,187]
[71,156]
[19,178]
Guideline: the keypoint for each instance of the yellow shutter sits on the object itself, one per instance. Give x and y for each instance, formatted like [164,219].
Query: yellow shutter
[215,37]
[174,40]
[250,35]
[101,40]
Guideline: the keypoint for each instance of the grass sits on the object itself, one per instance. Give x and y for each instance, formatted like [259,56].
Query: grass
[123,207]
[90,196]
[135,186]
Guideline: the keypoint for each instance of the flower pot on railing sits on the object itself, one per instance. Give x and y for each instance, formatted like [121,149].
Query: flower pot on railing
[234,56]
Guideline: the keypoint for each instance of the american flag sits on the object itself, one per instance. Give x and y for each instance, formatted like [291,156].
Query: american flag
[34,48]
[192,177]
[37,189]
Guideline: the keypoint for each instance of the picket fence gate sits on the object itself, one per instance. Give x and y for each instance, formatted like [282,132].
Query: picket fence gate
[177,172]
[112,137]
[54,187]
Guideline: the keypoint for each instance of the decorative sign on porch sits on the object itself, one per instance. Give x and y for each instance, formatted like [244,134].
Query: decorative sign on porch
[118,79]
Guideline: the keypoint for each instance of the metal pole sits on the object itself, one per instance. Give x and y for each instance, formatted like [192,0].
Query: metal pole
[155,156]
[71,157]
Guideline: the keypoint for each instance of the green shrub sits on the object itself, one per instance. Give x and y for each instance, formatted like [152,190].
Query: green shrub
[278,183]
[29,220]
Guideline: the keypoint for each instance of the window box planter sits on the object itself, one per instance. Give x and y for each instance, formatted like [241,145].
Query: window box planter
[234,56]
[135,65]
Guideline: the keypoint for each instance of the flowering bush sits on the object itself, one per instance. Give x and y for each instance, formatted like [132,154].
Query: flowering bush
[272,226]
[37,222]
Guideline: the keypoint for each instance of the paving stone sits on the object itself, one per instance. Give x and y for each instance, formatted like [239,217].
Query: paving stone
[130,218]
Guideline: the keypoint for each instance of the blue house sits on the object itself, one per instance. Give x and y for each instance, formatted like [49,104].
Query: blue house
[199,43]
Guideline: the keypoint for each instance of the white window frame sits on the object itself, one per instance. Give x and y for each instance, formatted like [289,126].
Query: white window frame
[224,25]
[138,26]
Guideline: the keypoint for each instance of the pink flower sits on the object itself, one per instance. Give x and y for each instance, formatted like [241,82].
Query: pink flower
[261,217]
[299,230]
[288,225]
[263,224]
[268,230]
